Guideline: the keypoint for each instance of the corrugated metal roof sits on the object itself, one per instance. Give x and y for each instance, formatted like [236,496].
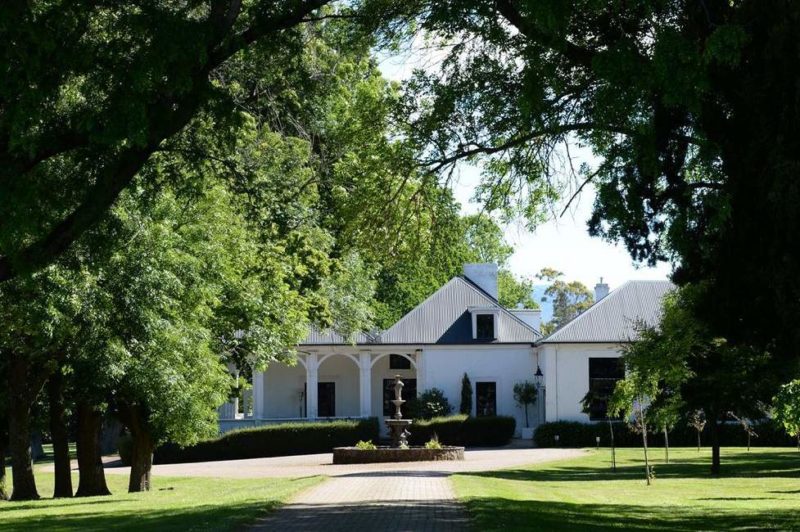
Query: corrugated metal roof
[444,318]
[613,319]
[330,337]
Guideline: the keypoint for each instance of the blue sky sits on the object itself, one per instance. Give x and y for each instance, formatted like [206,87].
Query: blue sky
[562,243]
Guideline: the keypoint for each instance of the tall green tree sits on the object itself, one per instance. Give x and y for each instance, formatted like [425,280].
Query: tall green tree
[569,298]
[93,91]
[690,109]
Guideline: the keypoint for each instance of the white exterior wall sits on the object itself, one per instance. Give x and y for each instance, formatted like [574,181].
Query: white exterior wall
[566,377]
[444,368]
[282,385]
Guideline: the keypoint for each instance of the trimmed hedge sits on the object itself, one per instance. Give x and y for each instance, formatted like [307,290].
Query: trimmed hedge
[576,434]
[272,440]
[489,431]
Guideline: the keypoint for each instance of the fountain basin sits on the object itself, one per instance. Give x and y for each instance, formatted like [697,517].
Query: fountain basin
[354,455]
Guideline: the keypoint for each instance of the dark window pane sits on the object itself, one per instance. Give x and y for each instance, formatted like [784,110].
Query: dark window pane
[485,399]
[409,393]
[603,376]
[399,362]
[326,399]
[484,326]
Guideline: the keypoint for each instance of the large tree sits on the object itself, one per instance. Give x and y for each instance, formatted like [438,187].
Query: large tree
[91,91]
[690,109]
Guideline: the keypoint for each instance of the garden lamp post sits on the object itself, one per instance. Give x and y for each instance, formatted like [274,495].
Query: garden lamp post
[538,381]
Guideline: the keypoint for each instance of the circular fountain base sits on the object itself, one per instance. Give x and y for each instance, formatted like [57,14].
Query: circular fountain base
[354,455]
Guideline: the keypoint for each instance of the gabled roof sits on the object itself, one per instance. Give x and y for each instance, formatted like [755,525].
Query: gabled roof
[613,319]
[330,337]
[444,318]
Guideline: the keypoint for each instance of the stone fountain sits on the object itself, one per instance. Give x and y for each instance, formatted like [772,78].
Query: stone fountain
[398,427]
[399,450]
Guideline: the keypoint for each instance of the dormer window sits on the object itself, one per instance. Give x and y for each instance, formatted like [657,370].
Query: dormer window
[484,327]
[484,323]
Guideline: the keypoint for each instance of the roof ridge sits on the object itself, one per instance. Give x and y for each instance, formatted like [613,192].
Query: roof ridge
[594,305]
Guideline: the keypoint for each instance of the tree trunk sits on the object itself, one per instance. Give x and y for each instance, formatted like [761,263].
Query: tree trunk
[60,436]
[666,445]
[698,441]
[91,477]
[3,488]
[613,448]
[715,458]
[141,462]
[142,446]
[19,430]
[527,424]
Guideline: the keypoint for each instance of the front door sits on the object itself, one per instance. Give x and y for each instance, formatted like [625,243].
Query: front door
[326,399]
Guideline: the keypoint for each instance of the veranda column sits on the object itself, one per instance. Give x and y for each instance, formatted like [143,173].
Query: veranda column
[365,379]
[258,394]
[312,377]
[421,373]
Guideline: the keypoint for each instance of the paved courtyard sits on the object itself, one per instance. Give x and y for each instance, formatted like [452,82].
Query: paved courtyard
[414,496]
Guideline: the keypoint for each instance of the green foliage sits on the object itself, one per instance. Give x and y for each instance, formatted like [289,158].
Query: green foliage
[525,395]
[568,298]
[487,431]
[429,404]
[514,291]
[786,408]
[466,396]
[365,445]
[272,440]
[433,443]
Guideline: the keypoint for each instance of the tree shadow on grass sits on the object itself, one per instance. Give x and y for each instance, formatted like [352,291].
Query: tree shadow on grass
[181,519]
[496,513]
[780,464]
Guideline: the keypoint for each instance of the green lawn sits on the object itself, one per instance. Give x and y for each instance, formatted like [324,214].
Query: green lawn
[180,504]
[758,490]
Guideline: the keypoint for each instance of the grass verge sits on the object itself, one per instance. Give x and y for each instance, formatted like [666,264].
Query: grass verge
[759,489]
[179,504]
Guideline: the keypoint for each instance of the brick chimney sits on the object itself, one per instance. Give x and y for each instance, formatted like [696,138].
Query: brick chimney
[600,290]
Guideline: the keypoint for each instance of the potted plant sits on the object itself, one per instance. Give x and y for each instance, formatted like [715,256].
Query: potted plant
[525,394]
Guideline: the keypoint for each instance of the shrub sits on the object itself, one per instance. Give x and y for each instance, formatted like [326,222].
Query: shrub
[466,396]
[433,443]
[576,434]
[125,448]
[429,404]
[273,440]
[489,431]
[365,445]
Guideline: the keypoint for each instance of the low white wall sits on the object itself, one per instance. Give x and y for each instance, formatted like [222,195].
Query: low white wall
[444,367]
[566,377]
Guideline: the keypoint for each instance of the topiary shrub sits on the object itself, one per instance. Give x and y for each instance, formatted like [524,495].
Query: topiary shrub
[273,440]
[489,431]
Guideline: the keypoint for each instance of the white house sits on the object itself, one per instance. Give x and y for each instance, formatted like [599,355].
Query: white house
[459,329]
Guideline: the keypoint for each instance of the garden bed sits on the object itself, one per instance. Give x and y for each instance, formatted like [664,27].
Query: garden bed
[354,455]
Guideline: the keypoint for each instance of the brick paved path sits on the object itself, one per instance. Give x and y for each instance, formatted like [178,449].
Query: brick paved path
[392,501]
